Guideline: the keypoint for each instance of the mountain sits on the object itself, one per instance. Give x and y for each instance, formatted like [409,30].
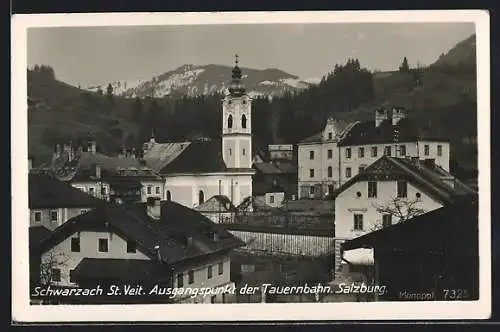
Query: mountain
[193,80]
[463,52]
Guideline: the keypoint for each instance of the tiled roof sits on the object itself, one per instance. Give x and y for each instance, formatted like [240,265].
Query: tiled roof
[47,192]
[310,205]
[160,155]
[217,203]
[263,187]
[197,157]
[367,133]
[132,222]
[430,178]
[341,127]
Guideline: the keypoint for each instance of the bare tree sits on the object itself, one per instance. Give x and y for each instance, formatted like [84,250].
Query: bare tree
[51,261]
[400,209]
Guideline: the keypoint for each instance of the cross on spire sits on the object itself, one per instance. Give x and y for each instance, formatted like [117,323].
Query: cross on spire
[236,56]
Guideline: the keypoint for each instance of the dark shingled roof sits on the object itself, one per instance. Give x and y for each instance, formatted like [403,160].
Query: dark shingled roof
[198,157]
[37,234]
[132,222]
[427,176]
[366,133]
[280,167]
[47,192]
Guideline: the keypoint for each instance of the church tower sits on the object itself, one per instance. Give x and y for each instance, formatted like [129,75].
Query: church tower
[237,123]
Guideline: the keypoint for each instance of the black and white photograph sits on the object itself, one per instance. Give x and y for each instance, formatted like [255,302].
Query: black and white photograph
[278,166]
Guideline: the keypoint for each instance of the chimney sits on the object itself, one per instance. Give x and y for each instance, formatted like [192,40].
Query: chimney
[158,253]
[154,208]
[92,146]
[97,171]
[380,115]
[397,115]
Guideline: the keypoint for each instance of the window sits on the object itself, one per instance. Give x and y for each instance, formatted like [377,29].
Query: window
[209,272]
[230,121]
[358,222]
[190,276]
[330,189]
[103,190]
[157,190]
[244,152]
[311,155]
[201,197]
[348,153]
[53,215]
[402,150]
[72,276]
[311,173]
[361,152]
[348,172]
[426,149]
[271,199]
[361,169]
[92,191]
[180,279]
[55,275]
[402,189]
[149,188]
[311,190]
[38,216]
[439,150]
[243,121]
[372,189]
[83,211]
[221,268]
[330,171]
[330,154]
[169,196]
[131,246]
[374,151]
[330,135]
[75,244]
[387,150]
[386,220]
[213,298]
[230,151]
[103,245]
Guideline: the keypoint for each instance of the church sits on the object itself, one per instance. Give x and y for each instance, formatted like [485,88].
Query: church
[194,171]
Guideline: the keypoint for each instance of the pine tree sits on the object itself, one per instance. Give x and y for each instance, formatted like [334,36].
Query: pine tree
[137,110]
[404,68]
[109,93]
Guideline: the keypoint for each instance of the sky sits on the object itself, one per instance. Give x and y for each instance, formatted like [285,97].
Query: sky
[97,55]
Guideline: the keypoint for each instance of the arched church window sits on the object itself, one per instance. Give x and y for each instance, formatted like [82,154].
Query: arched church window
[230,121]
[169,196]
[243,121]
[201,197]
[330,171]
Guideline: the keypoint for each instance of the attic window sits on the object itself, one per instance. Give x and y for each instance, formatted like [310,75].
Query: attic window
[188,241]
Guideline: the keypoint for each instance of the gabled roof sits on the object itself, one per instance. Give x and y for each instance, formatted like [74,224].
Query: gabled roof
[217,203]
[367,133]
[456,222]
[131,221]
[428,177]
[340,127]
[47,192]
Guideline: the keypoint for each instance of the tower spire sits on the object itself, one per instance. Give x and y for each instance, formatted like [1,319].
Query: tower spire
[237,88]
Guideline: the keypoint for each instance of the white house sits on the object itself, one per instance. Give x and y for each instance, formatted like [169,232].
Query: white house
[332,157]
[197,170]
[161,243]
[391,189]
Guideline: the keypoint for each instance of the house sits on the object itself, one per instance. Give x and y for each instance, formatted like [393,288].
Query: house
[219,209]
[135,184]
[53,202]
[342,150]
[201,168]
[392,189]
[434,256]
[150,244]
[277,179]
